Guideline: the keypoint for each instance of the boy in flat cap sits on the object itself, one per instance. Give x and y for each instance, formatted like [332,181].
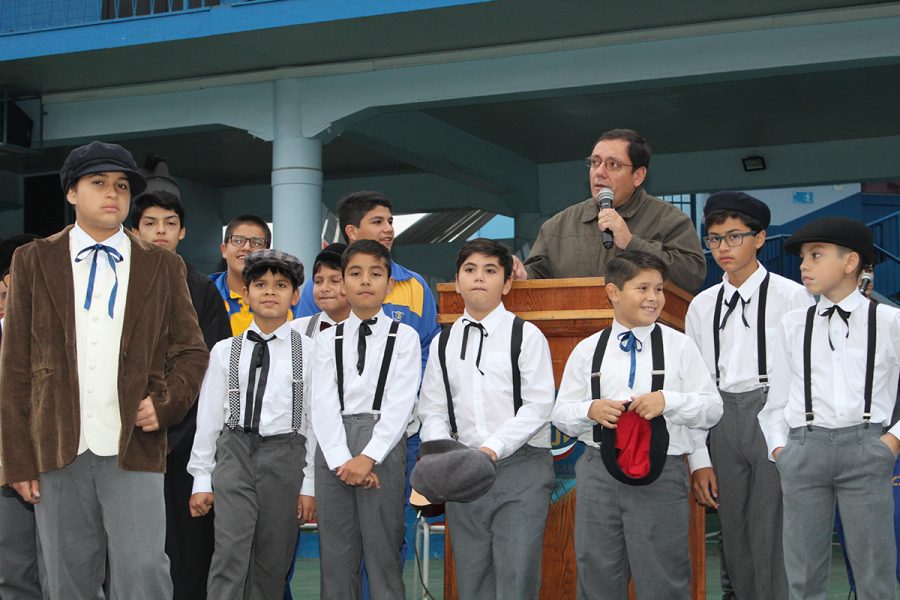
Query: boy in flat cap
[253,451]
[90,381]
[732,323]
[489,383]
[834,385]
[366,380]
[634,393]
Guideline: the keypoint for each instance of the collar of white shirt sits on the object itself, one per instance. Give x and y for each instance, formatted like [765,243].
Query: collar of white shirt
[81,240]
[749,287]
[641,333]
[492,321]
[282,333]
[850,303]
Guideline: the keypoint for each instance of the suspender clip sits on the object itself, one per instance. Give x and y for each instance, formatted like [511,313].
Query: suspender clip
[660,372]
[454,435]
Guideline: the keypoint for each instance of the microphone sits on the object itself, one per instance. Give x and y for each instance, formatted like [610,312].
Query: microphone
[605,199]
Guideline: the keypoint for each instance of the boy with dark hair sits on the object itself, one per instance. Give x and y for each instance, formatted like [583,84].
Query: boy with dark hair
[327,292]
[639,388]
[252,454]
[834,387]
[83,441]
[489,384]
[158,218]
[243,234]
[367,375]
[732,324]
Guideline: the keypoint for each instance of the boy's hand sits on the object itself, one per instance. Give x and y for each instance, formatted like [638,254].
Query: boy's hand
[306,509]
[29,490]
[891,442]
[372,481]
[649,406]
[355,470]
[706,487]
[606,412]
[146,416]
[201,503]
[489,452]
[776,452]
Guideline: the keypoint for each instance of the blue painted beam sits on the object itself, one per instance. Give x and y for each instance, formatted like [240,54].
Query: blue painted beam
[93,34]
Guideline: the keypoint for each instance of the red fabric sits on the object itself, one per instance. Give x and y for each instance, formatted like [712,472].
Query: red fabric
[633,444]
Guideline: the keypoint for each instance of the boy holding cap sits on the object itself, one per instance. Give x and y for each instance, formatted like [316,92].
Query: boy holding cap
[834,386]
[641,389]
[732,323]
[80,438]
[489,384]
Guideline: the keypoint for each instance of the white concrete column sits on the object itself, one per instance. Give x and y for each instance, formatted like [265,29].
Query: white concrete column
[296,179]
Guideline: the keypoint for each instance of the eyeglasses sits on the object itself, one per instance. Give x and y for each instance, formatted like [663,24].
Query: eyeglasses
[732,239]
[257,243]
[610,163]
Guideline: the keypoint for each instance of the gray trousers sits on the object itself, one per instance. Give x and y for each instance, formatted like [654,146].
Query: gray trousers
[21,570]
[624,531]
[498,538]
[354,521]
[852,467]
[90,508]
[256,483]
[749,500]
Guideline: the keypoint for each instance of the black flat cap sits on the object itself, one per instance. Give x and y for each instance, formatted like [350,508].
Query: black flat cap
[738,202]
[99,157]
[263,259]
[451,471]
[842,231]
[332,252]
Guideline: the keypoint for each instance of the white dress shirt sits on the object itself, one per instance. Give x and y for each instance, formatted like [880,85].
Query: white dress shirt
[400,388]
[277,404]
[302,324]
[483,403]
[838,376]
[738,365]
[692,400]
[98,339]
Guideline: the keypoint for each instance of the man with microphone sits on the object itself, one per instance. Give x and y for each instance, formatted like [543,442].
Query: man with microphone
[620,215]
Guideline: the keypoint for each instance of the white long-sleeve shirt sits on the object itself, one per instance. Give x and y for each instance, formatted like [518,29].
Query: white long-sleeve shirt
[277,403]
[483,403]
[400,389]
[691,398]
[738,365]
[838,376]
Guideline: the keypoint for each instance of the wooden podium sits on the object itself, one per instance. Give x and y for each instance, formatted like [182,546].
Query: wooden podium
[567,311]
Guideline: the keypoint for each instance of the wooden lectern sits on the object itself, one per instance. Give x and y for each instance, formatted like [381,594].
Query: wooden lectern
[567,311]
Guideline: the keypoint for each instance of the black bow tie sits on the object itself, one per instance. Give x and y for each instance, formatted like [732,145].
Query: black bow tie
[364,330]
[732,304]
[843,314]
[473,325]
[323,325]
[259,360]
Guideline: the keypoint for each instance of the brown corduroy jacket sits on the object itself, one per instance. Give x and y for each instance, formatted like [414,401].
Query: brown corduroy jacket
[162,355]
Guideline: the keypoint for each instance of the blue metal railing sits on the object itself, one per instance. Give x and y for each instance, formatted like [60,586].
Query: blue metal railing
[18,16]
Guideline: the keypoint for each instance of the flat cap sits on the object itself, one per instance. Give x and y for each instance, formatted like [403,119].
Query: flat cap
[100,157]
[842,231]
[264,259]
[738,202]
[451,471]
[332,252]
[156,171]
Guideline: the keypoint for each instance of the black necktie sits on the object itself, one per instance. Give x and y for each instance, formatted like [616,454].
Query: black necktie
[732,304]
[480,328]
[843,314]
[259,361]
[364,330]
[323,325]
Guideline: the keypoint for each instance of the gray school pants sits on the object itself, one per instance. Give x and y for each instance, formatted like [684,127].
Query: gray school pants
[91,508]
[256,483]
[750,508]
[624,531]
[21,570]
[852,467]
[354,521]
[497,539]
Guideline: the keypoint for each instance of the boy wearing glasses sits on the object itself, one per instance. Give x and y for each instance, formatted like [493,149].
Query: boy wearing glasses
[243,235]
[733,324]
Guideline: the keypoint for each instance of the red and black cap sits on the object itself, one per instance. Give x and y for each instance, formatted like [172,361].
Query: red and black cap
[635,451]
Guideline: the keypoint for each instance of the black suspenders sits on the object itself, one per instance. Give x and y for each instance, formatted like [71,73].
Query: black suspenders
[760,331]
[385,363]
[515,350]
[807,365]
[658,373]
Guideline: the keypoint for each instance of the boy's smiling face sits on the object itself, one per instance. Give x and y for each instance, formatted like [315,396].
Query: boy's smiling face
[234,255]
[640,301]
[377,224]
[367,282]
[481,282]
[101,203]
[270,296]
[328,292]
